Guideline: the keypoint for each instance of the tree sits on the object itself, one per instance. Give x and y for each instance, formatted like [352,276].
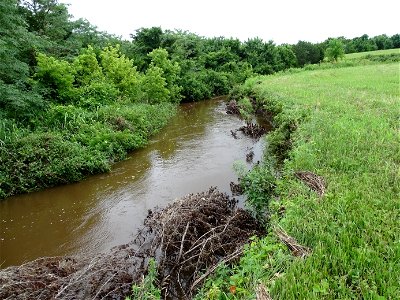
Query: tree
[17,100]
[57,77]
[170,71]
[14,41]
[154,86]
[47,18]
[335,50]
[383,42]
[287,58]
[307,53]
[263,57]
[395,40]
[144,41]
[121,71]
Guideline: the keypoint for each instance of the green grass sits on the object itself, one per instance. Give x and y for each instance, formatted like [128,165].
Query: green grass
[67,143]
[377,52]
[342,124]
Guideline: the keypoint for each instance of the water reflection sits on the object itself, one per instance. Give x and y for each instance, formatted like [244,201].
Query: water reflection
[195,151]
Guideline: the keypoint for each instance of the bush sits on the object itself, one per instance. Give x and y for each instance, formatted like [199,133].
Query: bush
[45,159]
[259,185]
[120,71]
[154,86]
[57,76]
[97,93]
[18,103]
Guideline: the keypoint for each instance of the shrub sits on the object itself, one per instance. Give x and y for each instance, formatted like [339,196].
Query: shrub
[40,160]
[57,76]
[154,86]
[120,71]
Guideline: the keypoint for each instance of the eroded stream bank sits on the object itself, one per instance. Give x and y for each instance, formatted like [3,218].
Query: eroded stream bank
[195,151]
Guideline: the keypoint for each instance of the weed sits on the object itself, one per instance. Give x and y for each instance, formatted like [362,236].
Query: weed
[147,290]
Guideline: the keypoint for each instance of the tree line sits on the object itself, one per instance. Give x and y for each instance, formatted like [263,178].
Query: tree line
[67,87]
[40,34]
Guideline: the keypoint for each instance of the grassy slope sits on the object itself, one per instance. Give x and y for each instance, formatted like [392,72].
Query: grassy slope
[377,52]
[350,137]
[346,131]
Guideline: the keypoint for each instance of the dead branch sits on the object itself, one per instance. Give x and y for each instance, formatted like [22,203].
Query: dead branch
[297,249]
[313,181]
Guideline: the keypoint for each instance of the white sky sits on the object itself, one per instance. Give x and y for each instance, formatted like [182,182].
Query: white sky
[283,21]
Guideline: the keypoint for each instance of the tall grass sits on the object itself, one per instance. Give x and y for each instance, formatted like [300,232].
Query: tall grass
[376,52]
[67,143]
[344,126]
[350,137]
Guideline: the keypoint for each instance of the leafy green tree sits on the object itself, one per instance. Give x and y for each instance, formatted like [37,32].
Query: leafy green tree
[87,68]
[19,103]
[14,39]
[85,34]
[287,57]
[56,77]
[383,42]
[17,99]
[147,39]
[47,18]
[170,71]
[263,57]
[93,88]
[363,44]
[144,41]
[307,53]
[335,50]
[154,86]
[50,21]
[120,71]
[395,40]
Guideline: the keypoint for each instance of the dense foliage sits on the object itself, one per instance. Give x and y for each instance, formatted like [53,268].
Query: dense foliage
[65,86]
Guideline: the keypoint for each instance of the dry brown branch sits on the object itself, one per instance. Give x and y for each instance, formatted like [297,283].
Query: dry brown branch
[262,293]
[232,108]
[227,259]
[297,249]
[215,225]
[236,189]
[313,181]
[188,238]
[253,130]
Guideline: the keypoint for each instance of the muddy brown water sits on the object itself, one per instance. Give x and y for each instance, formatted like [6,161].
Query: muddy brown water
[195,151]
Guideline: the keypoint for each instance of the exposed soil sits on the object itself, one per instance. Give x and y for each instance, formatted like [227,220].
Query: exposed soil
[188,238]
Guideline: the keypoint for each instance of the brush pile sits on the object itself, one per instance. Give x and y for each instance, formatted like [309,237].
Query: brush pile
[232,108]
[195,233]
[103,276]
[253,130]
[188,238]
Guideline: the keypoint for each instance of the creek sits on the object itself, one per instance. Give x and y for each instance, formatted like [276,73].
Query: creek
[194,151]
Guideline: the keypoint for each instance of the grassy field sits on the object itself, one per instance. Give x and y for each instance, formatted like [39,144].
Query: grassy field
[377,52]
[341,124]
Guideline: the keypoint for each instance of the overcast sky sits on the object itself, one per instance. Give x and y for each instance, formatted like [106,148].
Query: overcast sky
[283,21]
